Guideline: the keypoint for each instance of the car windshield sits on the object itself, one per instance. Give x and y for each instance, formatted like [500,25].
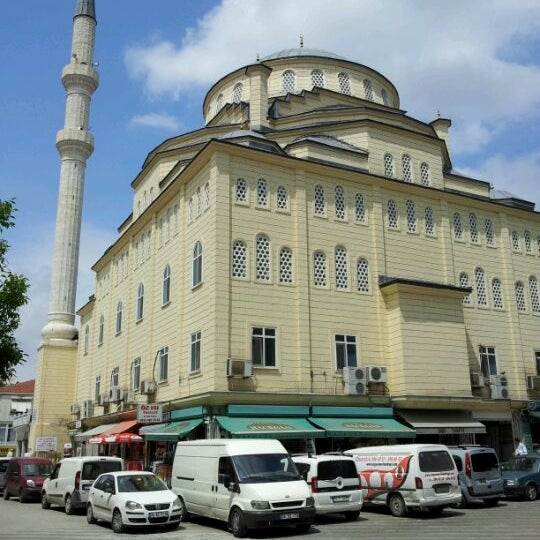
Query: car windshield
[92,469]
[36,469]
[140,482]
[519,464]
[484,462]
[435,461]
[265,468]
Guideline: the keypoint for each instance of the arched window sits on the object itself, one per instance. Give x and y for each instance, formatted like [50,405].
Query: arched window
[206,199]
[389,165]
[473,228]
[166,292]
[115,377]
[140,302]
[219,103]
[320,204]
[119,310]
[406,166]
[342,274]
[101,332]
[463,283]
[520,296]
[317,78]
[86,339]
[237,92]
[489,232]
[457,226]
[344,83]
[339,202]
[368,89]
[282,198]
[319,269]
[429,221]
[384,96]
[362,274]
[199,206]
[411,216]
[239,259]
[241,190]
[425,176]
[289,81]
[496,292]
[392,214]
[527,239]
[285,265]
[262,258]
[190,210]
[197,270]
[360,208]
[262,193]
[533,292]
[515,241]
[480,279]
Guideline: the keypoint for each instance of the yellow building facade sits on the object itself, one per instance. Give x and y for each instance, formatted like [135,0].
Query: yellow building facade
[309,227]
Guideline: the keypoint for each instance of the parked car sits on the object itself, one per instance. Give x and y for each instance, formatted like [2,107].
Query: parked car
[25,476]
[334,483]
[3,468]
[419,476]
[521,476]
[71,478]
[248,483]
[479,474]
[128,498]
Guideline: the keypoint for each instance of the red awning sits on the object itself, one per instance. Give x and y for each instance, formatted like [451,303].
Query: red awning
[118,433]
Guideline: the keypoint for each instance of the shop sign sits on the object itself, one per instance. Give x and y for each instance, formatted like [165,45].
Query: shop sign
[6,449]
[150,413]
[362,426]
[21,420]
[46,444]
[270,426]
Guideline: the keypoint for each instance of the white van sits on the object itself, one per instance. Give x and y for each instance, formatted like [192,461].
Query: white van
[69,483]
[421,476]
[248,483]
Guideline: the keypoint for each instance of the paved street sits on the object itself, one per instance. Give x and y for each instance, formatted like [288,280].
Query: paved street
[511,519]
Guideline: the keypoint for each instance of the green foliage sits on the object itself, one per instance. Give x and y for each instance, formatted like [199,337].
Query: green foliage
[13,295]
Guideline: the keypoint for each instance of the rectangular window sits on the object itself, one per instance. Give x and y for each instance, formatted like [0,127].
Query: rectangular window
[3,433]
[114,377]
[263,347]
[488,361]
[345,351]
[195,352]
[163,364]
[97,388]
[136,374]
[537,361]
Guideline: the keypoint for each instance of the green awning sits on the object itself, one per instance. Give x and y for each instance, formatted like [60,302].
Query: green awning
[365,428]
[269,428]
[173,431]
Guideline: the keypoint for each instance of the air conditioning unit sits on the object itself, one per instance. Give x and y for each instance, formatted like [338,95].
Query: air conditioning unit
[355,379]
[377,374]
[129,396]
[533,382]
[239,368]
[75,408]
[477,380]
[148,387]
[104,399]
[88,408]
[115,394]
[499,387]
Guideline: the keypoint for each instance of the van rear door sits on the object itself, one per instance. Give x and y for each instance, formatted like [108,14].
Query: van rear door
[90,470]
[486,476]
[438,471]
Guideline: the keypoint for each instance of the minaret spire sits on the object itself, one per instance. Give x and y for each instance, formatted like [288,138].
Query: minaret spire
[75,145]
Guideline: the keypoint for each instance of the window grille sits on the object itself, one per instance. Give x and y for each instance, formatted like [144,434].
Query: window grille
[392,214]
[317,78]
[340,202]
[496,290]
[425,177]
[262,262]
[533,291]
[411,217]
[473,228]
[458,226]
[406,166]
[319,269]
[490,233]
[368,89]
[344,83]
[282,198]
[262,193]
[320,203]
[520,297]
[360,208]
[463,283]
[527,239]
[239,259]
[362,274]
[289,82]
[515,241]
[429,221]
[241,190]
[480,287]
[388,165]
[342,278]
[237,92]
[285,265]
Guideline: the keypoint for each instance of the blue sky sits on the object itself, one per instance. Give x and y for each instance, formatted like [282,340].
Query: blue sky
[478,63]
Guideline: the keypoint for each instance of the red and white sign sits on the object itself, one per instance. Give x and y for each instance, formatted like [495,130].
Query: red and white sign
[150,413]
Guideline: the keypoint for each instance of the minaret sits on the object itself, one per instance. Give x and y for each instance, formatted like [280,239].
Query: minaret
[75,145]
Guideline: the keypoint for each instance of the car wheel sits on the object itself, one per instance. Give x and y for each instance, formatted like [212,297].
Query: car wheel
[397,505]
[69,508]
[184,514]
[237,523]
[45,504]
[352,516]
[491,502]
[90,514]
[531,492]
[22,496]
[6,494]
[117,523]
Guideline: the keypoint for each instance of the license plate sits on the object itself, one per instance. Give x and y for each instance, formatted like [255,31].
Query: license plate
[444,488]
[294,515]
[343,498]
[158,514]
[86,488]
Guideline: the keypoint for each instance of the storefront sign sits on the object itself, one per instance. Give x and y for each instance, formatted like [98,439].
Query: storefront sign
[362,426]
[270,426]
[46,444]
[21,420]
[150,413]
[6,449]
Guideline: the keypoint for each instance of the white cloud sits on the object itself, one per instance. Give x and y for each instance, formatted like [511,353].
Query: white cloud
[155,120]
[441,55]
[32,256]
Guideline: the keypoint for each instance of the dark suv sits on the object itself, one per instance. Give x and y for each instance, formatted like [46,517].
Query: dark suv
[24,478]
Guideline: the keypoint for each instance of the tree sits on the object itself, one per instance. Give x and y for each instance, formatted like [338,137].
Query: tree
[13,295]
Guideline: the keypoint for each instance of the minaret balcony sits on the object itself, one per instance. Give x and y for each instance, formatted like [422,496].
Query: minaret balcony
[82,76]
[75,143]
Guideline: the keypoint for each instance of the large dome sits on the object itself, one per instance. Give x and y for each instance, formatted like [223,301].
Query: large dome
[302,51]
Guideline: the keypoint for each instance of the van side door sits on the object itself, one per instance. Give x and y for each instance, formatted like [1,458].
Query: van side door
[52,485]
[223,486]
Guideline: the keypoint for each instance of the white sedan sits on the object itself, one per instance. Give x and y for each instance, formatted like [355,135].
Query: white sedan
[127,498]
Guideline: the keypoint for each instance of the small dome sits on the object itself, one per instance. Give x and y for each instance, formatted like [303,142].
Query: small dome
[302,51]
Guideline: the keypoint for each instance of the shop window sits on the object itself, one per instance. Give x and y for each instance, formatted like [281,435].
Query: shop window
[263,347]
[345,351]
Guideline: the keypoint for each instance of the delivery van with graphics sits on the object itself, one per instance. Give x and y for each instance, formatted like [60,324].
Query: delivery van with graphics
[419,476]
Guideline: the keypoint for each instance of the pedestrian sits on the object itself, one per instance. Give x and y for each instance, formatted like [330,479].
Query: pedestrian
[10,453]
[521,449]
